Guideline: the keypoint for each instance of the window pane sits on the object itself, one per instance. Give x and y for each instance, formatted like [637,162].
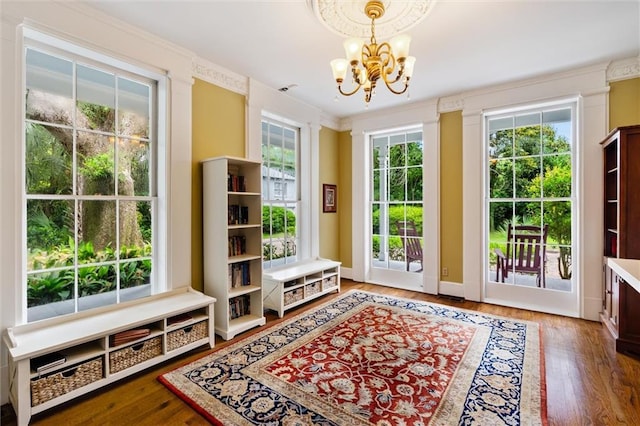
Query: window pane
[50,230]
[50,288]
[96,286]
[501,144]
[414,183]
[557,131]
[397,182]
[97,240]
[135,273]
[96,164]
[377,157]
[377,185]
[49,84]
[527,175]
[557,176]
[501,178]
[133,108]
[48,159]
[397,155]
[135,229]
[414,152]
[375,215]
[96,99]
[527,140]
[133,167]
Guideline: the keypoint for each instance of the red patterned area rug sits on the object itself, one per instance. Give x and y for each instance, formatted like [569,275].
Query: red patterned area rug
[367,359]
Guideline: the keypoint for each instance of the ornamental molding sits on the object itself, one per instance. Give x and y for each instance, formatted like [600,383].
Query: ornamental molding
[450,103]
[214,74]
[348,19]
[624,69]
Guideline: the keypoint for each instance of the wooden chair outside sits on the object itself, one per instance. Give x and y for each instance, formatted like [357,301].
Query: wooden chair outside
[410,242]
[526,252]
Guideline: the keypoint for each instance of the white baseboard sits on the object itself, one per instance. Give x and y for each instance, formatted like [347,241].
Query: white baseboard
[346,273]
[592,308]
[449,288]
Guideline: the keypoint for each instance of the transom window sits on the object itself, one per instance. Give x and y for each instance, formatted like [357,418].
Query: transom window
[280,193]
[90,182]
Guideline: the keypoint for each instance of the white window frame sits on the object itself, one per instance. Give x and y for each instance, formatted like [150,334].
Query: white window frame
[158,189]
[281,195]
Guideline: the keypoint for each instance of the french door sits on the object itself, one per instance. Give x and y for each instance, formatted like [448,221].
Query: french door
[530,185]
[396,208]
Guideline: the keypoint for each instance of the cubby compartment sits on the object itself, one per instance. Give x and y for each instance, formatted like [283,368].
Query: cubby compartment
[129,356]
[69,378]
[187,335]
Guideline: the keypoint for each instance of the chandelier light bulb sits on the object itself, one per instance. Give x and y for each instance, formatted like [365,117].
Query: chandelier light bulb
[353,49]
[339,68]
[400,45]
[409,63]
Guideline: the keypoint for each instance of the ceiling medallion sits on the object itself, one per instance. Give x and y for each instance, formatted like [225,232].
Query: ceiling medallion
[346,19]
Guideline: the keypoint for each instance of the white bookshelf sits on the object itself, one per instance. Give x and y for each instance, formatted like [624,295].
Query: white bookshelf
[293,284]
[233,277]
[178,321]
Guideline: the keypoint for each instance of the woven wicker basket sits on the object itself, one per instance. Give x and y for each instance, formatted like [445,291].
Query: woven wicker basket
[293,296]
[135,354]
[311,289]
[57,384]
[329,282]
[186,335]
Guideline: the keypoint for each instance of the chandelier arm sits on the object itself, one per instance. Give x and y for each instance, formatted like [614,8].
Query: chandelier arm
[349,93]
[396,92]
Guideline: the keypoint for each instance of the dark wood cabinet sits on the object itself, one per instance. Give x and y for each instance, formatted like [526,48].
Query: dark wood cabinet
[621,302]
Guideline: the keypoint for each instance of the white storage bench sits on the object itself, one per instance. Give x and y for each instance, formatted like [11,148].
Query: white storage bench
[82,352]
[290,285]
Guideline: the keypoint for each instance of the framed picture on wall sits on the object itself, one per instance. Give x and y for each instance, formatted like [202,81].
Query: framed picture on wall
[329,198]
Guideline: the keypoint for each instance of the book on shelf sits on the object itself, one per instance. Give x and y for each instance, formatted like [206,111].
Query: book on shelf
[237,245]
[239,306]
[239,274]
[179,319]
[47,361]
[236,183]
[129,336]
[238,215]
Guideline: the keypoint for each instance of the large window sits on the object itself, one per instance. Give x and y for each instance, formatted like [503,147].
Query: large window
[280,193]
[90,182]
[530,184]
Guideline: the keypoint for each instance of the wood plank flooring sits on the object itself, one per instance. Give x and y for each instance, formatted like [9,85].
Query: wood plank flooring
[588,383]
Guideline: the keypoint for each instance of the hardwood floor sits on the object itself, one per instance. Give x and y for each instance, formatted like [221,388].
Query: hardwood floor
[588,383]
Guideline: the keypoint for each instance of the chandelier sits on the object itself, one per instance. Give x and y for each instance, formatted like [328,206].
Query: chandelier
[389,61]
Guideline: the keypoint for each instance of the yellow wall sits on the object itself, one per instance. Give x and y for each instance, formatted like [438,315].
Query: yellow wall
[218,127]
[451,196]
[624,103]
[329,173]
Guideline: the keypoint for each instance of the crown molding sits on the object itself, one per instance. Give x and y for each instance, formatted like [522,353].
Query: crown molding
[215,74]
[624,69]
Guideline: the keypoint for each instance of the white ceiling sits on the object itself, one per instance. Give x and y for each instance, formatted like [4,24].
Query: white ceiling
[460,45]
